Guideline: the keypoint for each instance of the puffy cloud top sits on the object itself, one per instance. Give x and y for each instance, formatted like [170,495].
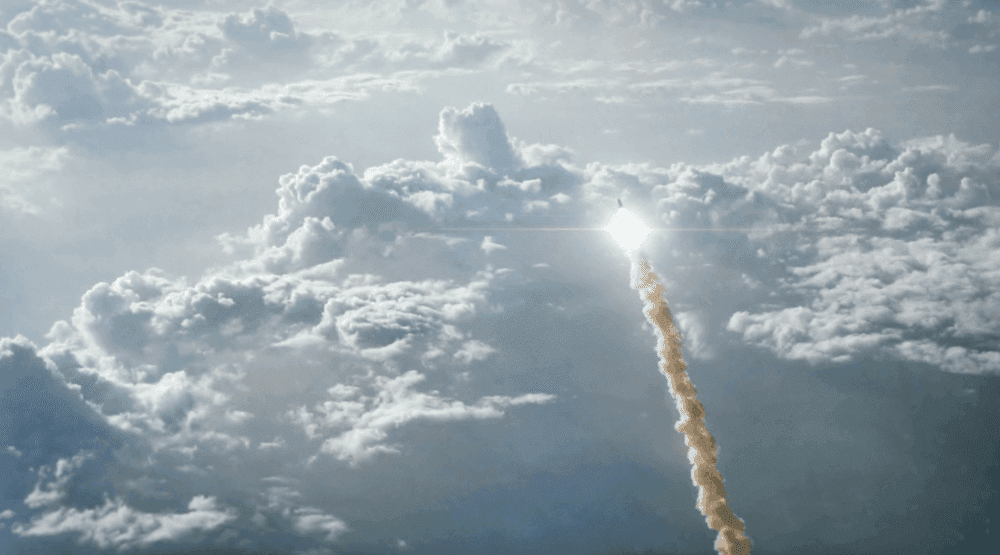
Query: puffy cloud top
[172,361]
[476,134]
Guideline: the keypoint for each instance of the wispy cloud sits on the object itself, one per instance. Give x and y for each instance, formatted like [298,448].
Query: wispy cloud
[24,174]
[983,48]
[368,418]
[116,525]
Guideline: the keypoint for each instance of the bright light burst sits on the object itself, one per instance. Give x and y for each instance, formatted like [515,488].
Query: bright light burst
[627,230]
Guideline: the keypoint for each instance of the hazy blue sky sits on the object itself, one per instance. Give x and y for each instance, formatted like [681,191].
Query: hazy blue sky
[234,319]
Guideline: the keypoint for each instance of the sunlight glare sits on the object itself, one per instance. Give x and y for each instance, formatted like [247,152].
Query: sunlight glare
[627,230]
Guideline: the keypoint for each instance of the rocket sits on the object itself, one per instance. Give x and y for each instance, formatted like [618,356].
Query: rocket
[620,203]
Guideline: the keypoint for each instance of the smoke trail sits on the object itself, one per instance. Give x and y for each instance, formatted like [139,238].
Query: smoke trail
[701,445]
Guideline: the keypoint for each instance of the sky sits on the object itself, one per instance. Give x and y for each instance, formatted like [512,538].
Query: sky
[316,278]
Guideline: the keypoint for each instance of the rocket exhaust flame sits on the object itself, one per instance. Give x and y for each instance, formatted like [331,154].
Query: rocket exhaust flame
[702,451]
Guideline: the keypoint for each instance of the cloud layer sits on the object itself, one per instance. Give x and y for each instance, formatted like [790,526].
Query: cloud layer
[425,342]
[352,313]
[187,370]
[137,65]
